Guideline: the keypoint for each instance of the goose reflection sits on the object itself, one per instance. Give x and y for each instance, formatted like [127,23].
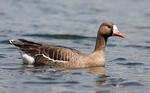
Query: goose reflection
[53,74]
[92,70]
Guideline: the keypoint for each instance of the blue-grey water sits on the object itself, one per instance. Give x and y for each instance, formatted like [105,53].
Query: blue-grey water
[74,23]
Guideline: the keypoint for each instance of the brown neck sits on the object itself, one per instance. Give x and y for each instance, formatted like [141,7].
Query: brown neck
[100,44]
[98,55]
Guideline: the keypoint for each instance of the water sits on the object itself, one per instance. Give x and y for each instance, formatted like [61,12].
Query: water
[74,23]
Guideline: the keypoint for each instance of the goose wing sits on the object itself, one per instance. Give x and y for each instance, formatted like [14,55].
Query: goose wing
[50,52]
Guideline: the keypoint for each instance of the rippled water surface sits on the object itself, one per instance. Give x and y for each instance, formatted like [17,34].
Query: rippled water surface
[74,23]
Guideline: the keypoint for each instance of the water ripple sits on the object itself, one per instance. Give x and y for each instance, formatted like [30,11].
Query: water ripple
[128,84]
[76,73]
[2,56]
[10,68]
[119,59]
[114,81]
[134,46]
[147,41]
[2,13]
[37,82]
[72,82]
[53,82]
[58,36]
[143,27]
[131,64]
[111,45]
[46,78]
[4,41]
[138,46]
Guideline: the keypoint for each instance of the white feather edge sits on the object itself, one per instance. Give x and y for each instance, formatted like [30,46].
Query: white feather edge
[11,41]
[52,60]
[27,59]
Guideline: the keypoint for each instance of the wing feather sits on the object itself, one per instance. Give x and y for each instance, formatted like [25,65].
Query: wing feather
[62,53]
[52,51]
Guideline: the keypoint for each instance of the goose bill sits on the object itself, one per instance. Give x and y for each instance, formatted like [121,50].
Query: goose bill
[116,32]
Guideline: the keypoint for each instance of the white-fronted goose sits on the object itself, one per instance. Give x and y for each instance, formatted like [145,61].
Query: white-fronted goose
[60,56]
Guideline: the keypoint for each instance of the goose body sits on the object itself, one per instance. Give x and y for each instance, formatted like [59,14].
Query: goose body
[65,57]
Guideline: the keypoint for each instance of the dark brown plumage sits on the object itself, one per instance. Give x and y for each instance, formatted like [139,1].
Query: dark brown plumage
[60,56]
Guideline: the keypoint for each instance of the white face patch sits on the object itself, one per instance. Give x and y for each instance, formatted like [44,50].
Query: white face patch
[116,32]
[115,29]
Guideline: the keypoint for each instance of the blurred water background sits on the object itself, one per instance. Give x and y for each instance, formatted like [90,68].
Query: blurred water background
[74,23]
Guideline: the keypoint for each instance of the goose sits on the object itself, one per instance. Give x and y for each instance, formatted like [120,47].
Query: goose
[40,54]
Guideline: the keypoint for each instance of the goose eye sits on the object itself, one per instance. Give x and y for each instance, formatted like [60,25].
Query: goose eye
[109,26]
